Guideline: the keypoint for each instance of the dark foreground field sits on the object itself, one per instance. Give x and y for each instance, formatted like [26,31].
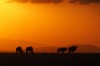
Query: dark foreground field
[43,59]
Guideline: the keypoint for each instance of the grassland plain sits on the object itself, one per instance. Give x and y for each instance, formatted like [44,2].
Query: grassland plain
[50,59]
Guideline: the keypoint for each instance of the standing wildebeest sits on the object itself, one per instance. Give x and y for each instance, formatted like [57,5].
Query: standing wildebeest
[72,49]
[61,50]
[29,49]
[19,50]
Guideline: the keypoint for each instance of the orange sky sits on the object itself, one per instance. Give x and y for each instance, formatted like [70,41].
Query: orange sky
[50,24]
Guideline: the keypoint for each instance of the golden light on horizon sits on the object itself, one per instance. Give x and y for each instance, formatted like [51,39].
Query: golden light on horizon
[50,24]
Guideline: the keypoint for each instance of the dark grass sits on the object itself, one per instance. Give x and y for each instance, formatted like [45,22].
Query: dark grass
[50,59]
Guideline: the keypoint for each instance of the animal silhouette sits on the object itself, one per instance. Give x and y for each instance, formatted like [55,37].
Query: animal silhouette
[29,49]
[72,49]
[61,50]
[19,50]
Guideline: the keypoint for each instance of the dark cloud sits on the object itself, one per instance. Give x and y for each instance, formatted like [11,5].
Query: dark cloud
[38,1]
[84,1]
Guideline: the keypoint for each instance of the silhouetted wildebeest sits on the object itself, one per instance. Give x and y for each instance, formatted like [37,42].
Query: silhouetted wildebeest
[29,49]
[72,49]
[19,50]
[61,50]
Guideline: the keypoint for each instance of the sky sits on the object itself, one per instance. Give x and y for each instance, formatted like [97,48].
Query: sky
[51,22]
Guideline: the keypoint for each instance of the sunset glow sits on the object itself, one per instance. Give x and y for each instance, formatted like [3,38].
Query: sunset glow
[49,24]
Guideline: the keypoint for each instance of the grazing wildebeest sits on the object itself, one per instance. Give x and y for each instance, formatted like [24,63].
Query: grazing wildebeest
[72,49]
[61,50]
[19,50]
[29,49]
